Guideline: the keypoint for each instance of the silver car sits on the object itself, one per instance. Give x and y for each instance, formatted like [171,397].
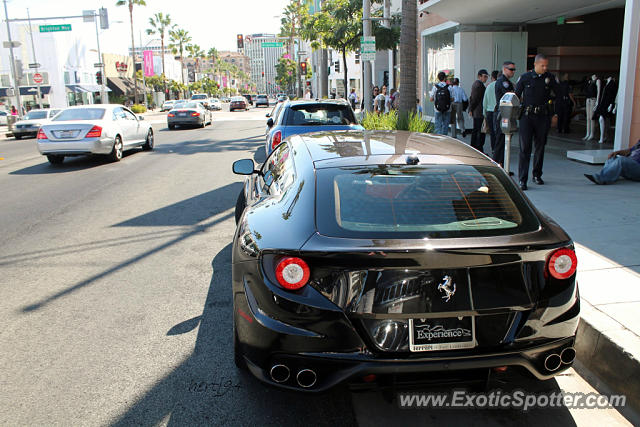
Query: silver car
[107,129]
[190,113]
[29,126]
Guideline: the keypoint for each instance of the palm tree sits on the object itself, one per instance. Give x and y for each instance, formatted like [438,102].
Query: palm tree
[179,39]
[196,53]
[131,3]
[160,24]
[408,56]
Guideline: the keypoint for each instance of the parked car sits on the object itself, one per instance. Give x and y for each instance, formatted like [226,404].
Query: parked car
[274,116]
[225,99]
[406,256]
[167,105]
[282,98]
[3,117]
[201,97]
[108,129]
[28,127]
[238,103]
[215,104]
[248,97]
[262,100]
[306,116]
[190,113]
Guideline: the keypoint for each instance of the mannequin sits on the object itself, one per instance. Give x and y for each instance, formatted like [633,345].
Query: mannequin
[593,96]
[606,107]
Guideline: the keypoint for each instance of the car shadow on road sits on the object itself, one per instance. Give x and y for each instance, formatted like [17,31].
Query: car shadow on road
[207,388]
[70,164]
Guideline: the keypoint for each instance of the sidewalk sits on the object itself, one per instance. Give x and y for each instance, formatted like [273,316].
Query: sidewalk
[604,222]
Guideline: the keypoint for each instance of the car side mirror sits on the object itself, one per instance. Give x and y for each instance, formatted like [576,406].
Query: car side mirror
[243,167]
[140,117]
[270,122]
[268,115]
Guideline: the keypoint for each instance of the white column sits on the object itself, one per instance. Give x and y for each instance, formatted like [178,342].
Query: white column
[627,74]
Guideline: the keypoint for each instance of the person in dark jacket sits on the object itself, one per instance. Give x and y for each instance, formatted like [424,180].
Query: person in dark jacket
[476,110]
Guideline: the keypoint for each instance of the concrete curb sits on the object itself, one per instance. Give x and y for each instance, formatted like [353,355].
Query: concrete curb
[609,352]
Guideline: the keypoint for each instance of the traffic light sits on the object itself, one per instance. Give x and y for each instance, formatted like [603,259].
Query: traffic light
[240,41]
[303,68]
[337,66]
[99,77]
[263,74]
[357,56]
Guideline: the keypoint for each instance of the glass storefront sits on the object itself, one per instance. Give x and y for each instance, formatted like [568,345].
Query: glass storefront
[439,52]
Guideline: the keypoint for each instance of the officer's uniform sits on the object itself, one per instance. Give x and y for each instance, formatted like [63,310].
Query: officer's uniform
[503,85]
[534,91]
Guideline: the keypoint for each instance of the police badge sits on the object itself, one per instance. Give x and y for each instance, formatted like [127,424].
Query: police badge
[505,84]
[547,81]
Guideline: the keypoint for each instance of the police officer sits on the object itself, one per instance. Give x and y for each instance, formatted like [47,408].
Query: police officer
[503,85]
[533,88]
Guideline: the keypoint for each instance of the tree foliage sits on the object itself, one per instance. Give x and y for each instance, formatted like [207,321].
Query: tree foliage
[286,73]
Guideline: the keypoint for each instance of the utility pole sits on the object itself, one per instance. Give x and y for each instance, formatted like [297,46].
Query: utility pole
[35,60]
[16,87]
[387,21]
[104,98]
[366,31]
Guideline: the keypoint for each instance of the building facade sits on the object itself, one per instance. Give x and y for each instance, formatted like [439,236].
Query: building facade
[264,52]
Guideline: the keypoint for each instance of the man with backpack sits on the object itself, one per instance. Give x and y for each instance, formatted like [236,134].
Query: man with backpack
[441,97]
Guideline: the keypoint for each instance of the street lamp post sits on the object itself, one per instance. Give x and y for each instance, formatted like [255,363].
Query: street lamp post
[104,98]
[35,60]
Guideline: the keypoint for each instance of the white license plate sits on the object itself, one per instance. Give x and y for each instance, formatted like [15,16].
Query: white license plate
[182,114]
[67,134]
[442,334]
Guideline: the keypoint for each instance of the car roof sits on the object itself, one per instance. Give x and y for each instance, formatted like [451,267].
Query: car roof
[366,147]
[319,101]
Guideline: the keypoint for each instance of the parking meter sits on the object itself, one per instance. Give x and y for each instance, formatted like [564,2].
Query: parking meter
[509,115]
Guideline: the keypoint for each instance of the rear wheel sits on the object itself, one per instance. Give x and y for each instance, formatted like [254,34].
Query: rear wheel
[116,152]
[241,204]
[148,143]
[17,136]
[55,160]
[171,127]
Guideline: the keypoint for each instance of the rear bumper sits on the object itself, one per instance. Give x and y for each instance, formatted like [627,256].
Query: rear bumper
[185,121]
[32,133]
[83,146]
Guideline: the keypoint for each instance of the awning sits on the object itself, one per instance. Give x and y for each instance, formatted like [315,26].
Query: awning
[122,86]
[28,90]
[86,88]
[514,12]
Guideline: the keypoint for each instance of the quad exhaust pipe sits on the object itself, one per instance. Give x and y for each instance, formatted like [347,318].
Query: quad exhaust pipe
[306,378]
[553,361]
[280,373]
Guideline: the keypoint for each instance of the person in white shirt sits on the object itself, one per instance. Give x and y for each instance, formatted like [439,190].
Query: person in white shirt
[353,98]
[457,107]
[441,96]
[380,101]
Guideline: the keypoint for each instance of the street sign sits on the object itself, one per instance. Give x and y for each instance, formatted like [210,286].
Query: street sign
[55,28]
[12,44]
[37,78]
[368,48]
[98,65]
[272,44]
[34,65]
[302,53]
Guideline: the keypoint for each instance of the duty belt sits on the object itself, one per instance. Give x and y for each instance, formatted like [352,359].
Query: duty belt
[536,109]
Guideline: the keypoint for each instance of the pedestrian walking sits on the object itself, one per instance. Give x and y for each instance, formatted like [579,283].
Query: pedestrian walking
[14,111]
[488,105]
[376,92]
[476,111]
[457,108]
[353,98]
[380,101]
[390,100]
[503,85]
[565,103]
[534,89]
[441,97]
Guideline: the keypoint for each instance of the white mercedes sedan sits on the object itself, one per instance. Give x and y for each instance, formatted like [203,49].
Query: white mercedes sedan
[107,129]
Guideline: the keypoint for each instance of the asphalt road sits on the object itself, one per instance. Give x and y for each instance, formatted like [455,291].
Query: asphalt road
[116,299]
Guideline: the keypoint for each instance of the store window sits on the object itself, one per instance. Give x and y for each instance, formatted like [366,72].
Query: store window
[439,54]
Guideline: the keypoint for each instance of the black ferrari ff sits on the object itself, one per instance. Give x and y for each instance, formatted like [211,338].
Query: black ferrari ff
[364,254]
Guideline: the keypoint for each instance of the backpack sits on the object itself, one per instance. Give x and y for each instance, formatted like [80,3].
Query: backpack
[442,98]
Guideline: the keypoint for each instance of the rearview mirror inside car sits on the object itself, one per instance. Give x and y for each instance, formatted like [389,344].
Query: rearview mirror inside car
[243,167]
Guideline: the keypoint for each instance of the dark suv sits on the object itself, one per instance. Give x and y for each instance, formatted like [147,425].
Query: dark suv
[249,100]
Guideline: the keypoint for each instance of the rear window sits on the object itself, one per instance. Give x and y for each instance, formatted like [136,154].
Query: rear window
[32,115]
[80,114]
[319,115]
[436,201]
[199,97]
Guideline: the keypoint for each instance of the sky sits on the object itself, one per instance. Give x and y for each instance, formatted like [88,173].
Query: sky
[212,23]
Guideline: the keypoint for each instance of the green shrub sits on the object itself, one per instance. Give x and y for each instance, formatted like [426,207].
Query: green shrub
[138,108]
[394,121]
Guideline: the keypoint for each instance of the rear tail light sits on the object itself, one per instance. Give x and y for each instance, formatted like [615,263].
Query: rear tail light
[562,263]
[195,114]
[171,115]
[41,134]
[292,273]
[95,132]
[277,139]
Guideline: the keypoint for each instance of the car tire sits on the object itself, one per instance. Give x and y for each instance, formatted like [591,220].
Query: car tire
[241,205]
[17,136]
[148,142]
[204,123]
[117,150]
[55,159]
[171,127]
